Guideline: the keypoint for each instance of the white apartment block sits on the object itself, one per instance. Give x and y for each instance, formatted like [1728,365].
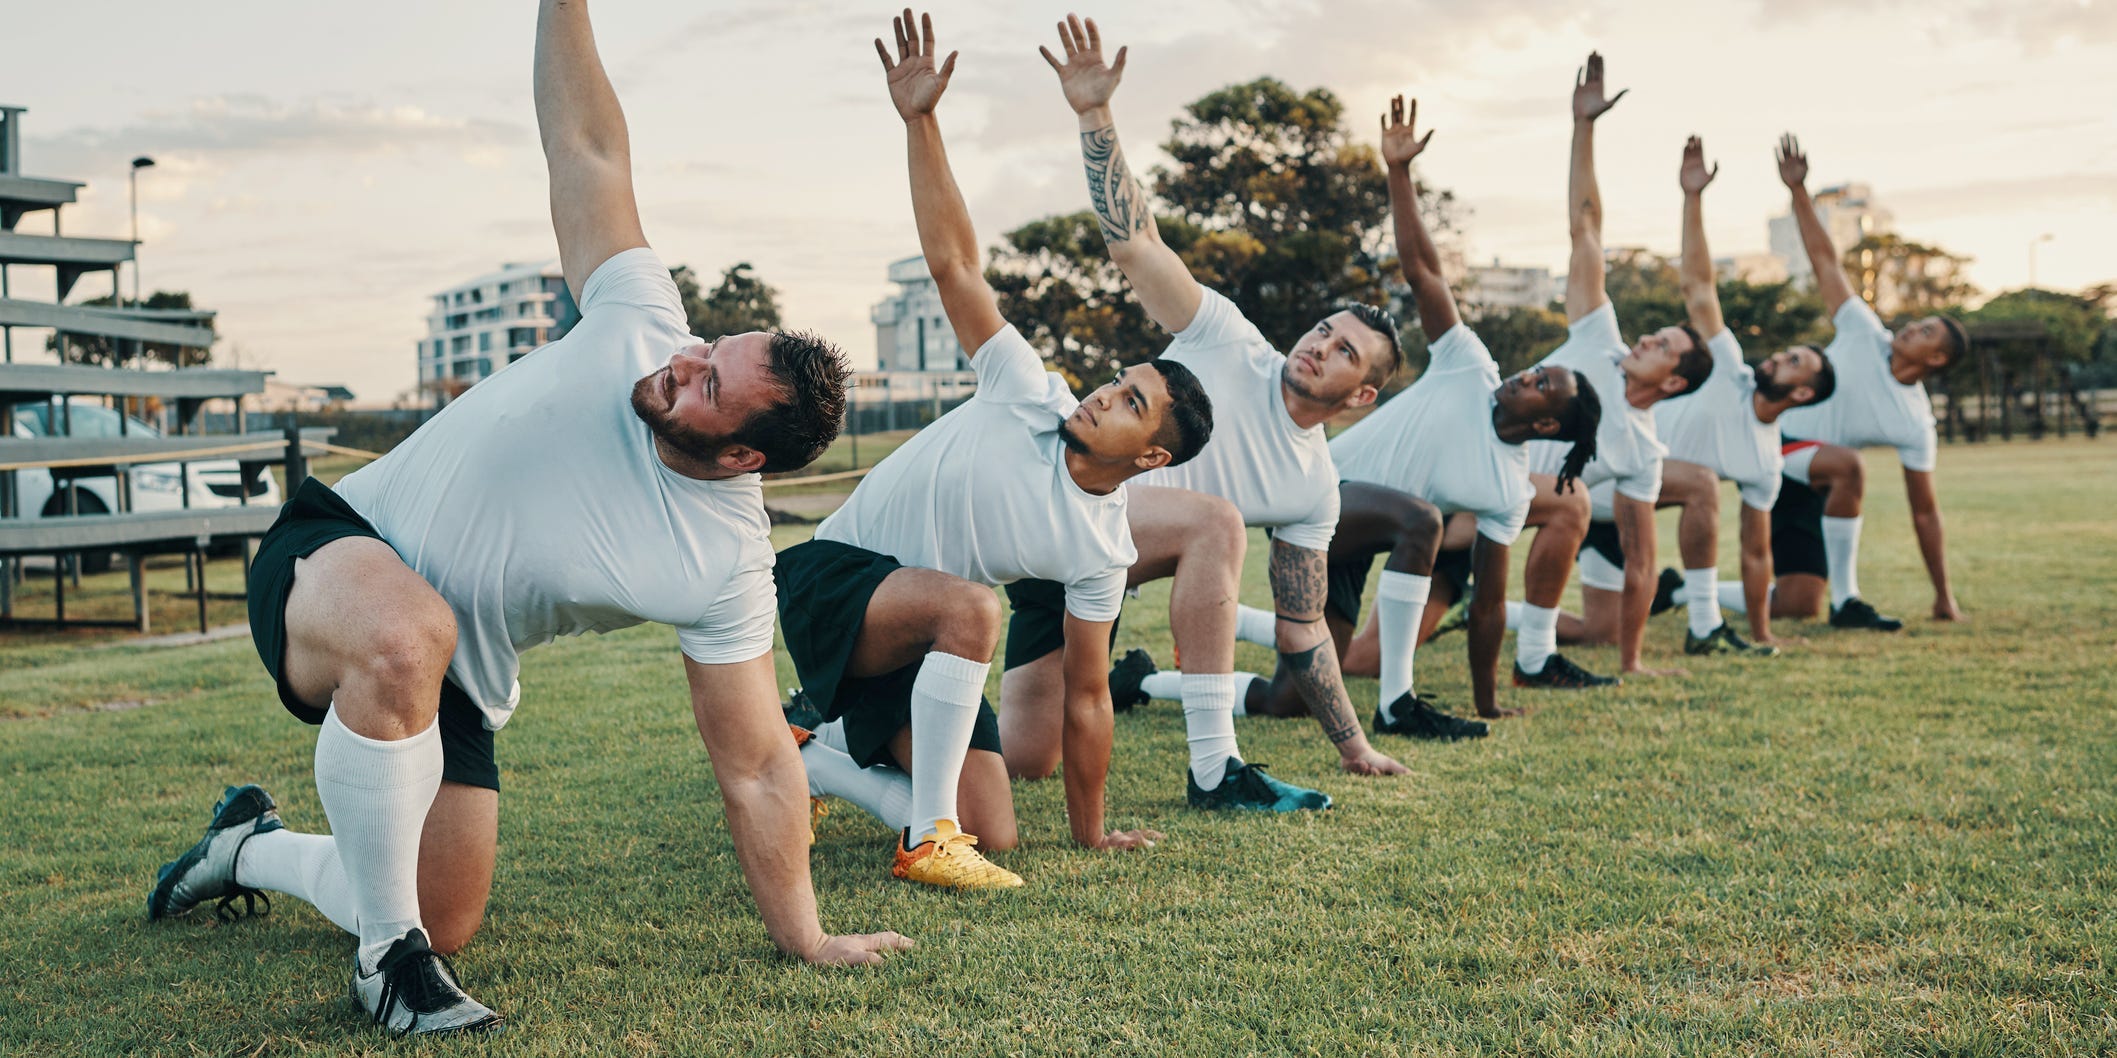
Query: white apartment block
[1849,213]
[1496,286]
[479,327]
[911,331]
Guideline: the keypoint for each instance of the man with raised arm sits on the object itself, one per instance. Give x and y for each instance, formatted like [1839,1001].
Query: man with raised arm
[1880,402]
[1453,442]
[1666,363]
[608,479]
[1269,460]
[1728,429]
[889,612]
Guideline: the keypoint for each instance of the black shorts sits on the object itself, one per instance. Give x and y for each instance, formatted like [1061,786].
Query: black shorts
[1602,539]
[1036,622]
[824,589]
[314,517]
[1455,568]
[1797,531]
[1344,583]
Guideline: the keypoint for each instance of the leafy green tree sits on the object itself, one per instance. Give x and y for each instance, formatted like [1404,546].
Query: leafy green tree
[98,350]
[1269,200]
[740,304]
[1768,317]
[1519,337]
[1902,278]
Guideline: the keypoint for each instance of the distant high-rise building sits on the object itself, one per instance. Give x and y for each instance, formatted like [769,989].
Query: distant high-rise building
[1849,213]
[911,330]
[481,326]
[1497,286]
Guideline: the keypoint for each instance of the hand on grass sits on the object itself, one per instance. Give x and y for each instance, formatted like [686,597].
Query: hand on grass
[855,949]
[1944,609]
[1122,840]
[1372,761]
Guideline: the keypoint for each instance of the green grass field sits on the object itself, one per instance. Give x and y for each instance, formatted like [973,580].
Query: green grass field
[1873,845]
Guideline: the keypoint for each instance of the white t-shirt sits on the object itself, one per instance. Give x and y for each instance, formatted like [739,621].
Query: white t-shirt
[1870,407]
[1276,473]
[1626,448]
[984,493]
[1435,441]
[1716,427]
[536,505]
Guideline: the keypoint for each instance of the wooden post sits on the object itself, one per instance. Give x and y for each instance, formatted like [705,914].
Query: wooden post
[198,552]
[137,565]
[297,461]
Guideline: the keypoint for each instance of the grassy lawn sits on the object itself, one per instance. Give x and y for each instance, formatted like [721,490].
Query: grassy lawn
[1874,845]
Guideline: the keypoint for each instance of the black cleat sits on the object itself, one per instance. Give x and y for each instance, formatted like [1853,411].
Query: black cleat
[1125,678]
[414,991]
[1246,788]
[1414,717]
[800,711]
[1561,674]
[1723,640]
[1857,614]
[206,871]
[1667,591]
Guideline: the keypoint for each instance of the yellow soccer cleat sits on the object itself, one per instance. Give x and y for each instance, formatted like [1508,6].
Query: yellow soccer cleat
[950,859]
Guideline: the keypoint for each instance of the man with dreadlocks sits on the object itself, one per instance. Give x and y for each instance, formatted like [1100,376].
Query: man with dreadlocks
[1669,362]
[1455,442]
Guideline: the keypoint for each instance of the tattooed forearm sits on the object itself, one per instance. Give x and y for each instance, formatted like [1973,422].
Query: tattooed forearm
[1315,673]
[1118,203]
[1299,585]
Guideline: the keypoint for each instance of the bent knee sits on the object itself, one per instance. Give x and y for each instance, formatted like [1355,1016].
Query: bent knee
[449,933]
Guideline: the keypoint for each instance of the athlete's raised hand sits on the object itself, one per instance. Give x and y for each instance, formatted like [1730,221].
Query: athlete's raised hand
[1694,175]
[1087,81]
[1793,164]
[1119,840]
[915,85]
[855,949]
[1400,139]
[1588,101]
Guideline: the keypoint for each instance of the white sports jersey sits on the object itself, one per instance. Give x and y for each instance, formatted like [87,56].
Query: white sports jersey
[1870,408]
[984,493]
[1276,473]
[536,505]
[1626,448]
[1717,428]
[1435,441]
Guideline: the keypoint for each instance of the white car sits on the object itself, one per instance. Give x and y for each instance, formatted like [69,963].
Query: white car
[155,486]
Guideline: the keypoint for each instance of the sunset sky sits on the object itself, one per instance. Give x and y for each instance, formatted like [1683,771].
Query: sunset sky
[324,168]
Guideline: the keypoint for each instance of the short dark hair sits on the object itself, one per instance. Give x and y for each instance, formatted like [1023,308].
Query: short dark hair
[1578,424]
[1696,364]
[1188,424]
[797,427]
[1826,381]
[1384,324]
[1958,340]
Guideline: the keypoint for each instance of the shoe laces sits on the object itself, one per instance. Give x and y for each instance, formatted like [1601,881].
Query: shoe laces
[426,988]
[226,911]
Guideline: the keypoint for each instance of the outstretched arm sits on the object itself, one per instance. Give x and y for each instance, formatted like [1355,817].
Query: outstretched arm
[586,149]
[1926,523]
[1416,254]
[1757,572]
[1701,300]
[1299,578]
[1823,260]
[1635,535]
[946,236]
[766,798]
[1086,737]
[1488,624]
[1584,275]
[1159,277]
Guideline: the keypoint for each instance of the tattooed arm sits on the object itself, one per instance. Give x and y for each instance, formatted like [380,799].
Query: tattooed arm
[1161,280]
[1307,654]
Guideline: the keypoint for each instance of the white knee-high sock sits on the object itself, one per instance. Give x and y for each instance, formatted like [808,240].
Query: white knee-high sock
[1841,551]
[1166,685]
[1537,638]
[944,710]
[1253,625]
[1514,615]
[376,794]
[832,734]
[304,866]
[1701,588]
[1209,724]
[1733,601]
[1400,600]
[882,792]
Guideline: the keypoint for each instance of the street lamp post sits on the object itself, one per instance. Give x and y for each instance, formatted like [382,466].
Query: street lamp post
[139,163]
[2045,237]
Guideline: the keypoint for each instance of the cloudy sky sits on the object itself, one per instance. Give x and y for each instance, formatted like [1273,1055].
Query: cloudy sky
[325,168]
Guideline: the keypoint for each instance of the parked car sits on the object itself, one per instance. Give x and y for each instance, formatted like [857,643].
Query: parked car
[155,486]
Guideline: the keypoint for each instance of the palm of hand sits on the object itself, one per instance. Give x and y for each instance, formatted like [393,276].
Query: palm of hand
[1400,144]
[1588,101]
[915,86]
[1087,81]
